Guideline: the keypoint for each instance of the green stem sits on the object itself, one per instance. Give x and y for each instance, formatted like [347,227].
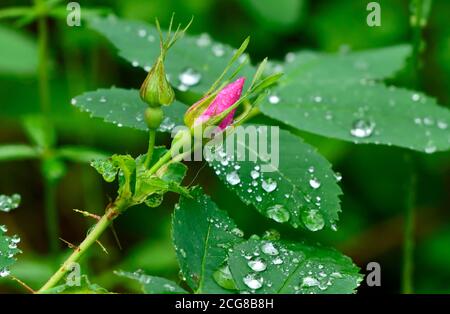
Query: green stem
[111,213]
[151,146]
[44,96]
[44,90]
[163,160]
[409,224]
[409,221]
[51,217]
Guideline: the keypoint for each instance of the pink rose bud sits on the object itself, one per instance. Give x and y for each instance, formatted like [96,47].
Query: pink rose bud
[226,98]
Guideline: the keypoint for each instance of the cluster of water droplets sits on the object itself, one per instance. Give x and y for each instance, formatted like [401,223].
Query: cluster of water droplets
[8,203]
[106,168]
[9,250]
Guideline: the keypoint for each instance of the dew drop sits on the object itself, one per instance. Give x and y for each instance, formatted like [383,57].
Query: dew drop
[73,101]
[362,128]
[415,97]
[278,213]
[4,272]
[253,281]
[314,183]
[142,32]
[269,249]
[203,40]
[277,261]
[135,63]
[258,264]
[237,232]
[254,174]
[190,77]
[274,99]
[442,125]
[430,149]
[269,185]
[313,220]
[290,57]
[310,282]
[233,178]
[218,50]
[317,99]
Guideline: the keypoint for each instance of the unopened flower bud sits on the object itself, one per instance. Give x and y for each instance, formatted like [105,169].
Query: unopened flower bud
[209,107]
[156,90]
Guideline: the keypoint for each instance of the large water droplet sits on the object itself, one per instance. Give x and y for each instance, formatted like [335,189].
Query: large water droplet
[4,272]
[254,174]
[189,77]
[253,281]
[314,183]
[313,220]
[274,99]
[362,128]
[278,213]
[269,249]
[258,264]
[269,185]
[310,282]
[233,178]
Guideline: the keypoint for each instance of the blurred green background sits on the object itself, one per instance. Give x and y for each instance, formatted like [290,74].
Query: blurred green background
[374,177]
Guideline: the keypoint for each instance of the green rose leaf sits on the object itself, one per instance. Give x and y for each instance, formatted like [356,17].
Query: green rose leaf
[194,63]
[202,235]
[152,284]
[338,96]
[262,266]
[300,188]
[124,107]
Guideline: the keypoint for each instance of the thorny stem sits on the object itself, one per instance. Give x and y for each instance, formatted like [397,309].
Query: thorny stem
[111,213]
[106,220]
[119,206]
[20,282]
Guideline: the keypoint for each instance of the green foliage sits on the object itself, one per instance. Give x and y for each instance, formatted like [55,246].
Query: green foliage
[352,105]
[263,266]
[136,183]
[125,108]
[214,258]
[152,284]
[276,14]
[194,63]
[8,245]
[300,189]
[18,54]
[202,235]
[17,152]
